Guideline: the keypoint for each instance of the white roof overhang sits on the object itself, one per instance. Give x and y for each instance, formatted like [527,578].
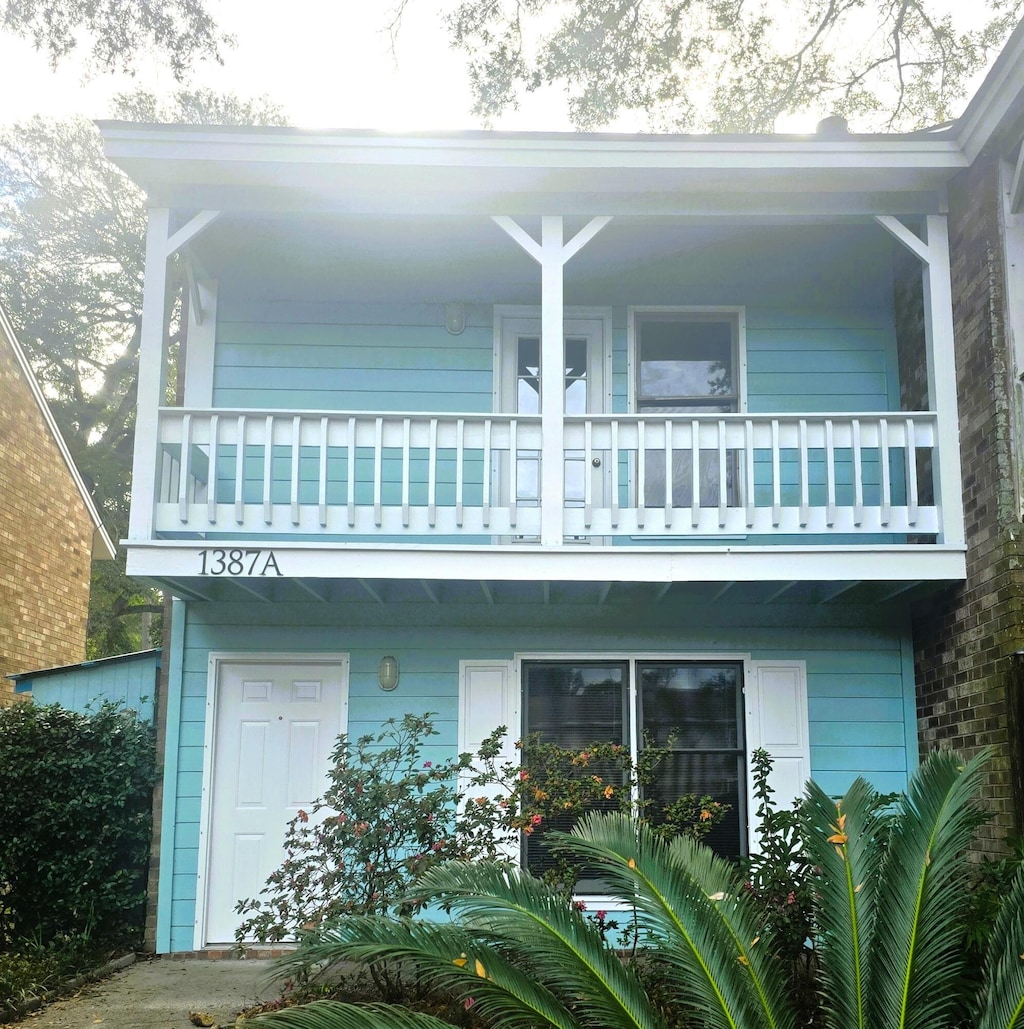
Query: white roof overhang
[477,172]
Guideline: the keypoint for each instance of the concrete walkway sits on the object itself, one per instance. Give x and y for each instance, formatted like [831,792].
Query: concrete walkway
[160,994]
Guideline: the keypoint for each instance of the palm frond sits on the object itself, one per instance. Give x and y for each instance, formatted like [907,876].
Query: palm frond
[842,839]
[690,903]
[543,932]
[917,940]
[332,1014]
[1001,1003]
[444,957]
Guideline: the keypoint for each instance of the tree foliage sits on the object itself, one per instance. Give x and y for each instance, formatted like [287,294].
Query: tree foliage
[120,31]
[72,241]
[730,65]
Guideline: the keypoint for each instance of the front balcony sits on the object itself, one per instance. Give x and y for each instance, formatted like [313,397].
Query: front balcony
[470,479]
[458,368]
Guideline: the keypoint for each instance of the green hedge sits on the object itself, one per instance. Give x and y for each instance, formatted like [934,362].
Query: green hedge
[75,823]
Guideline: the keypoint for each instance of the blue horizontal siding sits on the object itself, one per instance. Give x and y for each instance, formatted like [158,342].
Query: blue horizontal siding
[128,682]
[387,362]
[858,682]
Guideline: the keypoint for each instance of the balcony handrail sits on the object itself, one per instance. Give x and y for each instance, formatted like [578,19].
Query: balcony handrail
[400,474]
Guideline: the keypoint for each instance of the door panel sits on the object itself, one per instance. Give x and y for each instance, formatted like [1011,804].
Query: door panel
[585,389]
[275,726]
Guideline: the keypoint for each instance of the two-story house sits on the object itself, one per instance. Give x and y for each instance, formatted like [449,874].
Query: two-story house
[50,530]
[600,436]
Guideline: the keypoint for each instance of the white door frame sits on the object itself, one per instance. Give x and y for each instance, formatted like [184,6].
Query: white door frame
[216,660]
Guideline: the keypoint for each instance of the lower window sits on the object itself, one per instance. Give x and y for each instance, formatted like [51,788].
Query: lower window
[694,708]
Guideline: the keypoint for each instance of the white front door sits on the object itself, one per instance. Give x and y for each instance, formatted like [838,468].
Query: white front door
[586,390]
[274,725]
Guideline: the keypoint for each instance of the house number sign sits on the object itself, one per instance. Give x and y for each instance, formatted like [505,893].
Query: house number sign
[238,562]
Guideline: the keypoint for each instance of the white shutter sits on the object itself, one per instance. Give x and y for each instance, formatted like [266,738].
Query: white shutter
[776,714]
[489,697]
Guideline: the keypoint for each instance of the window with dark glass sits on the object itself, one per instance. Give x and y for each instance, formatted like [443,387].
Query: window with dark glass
[694,709]
[686,364]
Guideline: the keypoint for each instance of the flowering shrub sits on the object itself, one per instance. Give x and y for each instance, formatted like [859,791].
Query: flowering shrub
[388,815]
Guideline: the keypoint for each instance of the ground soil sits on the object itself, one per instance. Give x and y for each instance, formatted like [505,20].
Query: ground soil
[160,994]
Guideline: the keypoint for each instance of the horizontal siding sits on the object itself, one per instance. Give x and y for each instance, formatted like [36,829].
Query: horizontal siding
[386,362]
[857,684]
[130,684]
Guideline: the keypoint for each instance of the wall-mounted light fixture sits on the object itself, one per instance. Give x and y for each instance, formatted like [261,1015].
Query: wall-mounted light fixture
[387,673]
[455,318]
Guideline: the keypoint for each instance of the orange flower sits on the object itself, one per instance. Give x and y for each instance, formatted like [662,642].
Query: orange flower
[839,831]
[705,815]
[608,791]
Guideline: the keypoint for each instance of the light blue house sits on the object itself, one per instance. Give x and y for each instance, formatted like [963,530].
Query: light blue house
[592,435]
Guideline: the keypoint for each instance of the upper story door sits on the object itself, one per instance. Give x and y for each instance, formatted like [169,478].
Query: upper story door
[586,386]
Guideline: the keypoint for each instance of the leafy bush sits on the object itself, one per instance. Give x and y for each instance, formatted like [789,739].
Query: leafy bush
[75,806]
[387,816]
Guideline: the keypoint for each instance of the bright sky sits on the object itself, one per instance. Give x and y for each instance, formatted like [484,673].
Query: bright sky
[328,63]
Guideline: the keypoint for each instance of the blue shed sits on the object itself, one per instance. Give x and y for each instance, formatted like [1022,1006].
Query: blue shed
[129,680]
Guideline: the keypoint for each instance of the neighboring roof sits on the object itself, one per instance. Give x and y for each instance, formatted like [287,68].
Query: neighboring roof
[102,546]
[100,661]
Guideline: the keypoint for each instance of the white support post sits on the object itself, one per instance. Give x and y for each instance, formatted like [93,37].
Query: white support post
[552,376]
[940,359]
[551,254]
[940,356]
[152,376]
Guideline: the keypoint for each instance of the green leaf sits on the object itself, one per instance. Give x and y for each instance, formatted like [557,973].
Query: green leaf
[330,1014]
[539,927]
[691,905]
[917,944]
[843,839]
[1001,1002]
[445,957]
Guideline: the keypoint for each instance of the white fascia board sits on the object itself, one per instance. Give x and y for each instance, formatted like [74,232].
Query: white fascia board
[175,162]
[998,102]
[102,545]
[185,559]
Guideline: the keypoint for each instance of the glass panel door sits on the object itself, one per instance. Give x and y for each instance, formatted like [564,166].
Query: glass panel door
[584,392]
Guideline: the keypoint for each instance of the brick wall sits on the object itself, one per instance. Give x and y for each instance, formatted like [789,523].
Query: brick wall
[45,539]
[966,636]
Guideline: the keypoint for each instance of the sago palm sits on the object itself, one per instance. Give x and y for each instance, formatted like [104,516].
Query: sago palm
[888,941]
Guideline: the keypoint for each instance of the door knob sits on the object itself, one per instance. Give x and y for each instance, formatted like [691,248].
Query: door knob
[596,462]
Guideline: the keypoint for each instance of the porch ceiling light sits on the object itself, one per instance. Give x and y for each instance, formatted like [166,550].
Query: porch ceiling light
[387,673]
[455,318]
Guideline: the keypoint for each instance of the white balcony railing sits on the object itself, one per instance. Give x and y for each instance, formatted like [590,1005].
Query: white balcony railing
[473,477]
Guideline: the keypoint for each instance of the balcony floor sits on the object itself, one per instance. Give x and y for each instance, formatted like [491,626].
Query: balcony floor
[531,574]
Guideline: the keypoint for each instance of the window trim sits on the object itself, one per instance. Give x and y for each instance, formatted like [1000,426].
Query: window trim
[735,313]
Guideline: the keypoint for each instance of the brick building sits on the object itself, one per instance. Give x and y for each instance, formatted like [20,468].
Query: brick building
[969,639]
[49,529]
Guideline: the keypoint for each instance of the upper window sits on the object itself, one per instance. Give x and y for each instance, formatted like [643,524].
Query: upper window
[686,363]
[692,708]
